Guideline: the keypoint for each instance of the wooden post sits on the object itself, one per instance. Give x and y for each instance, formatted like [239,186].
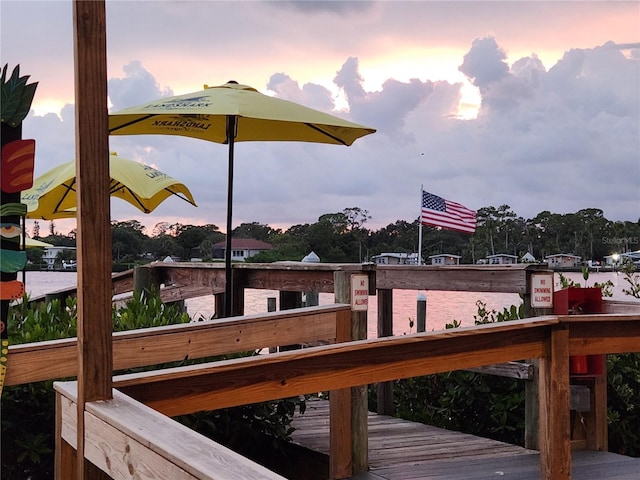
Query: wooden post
[95,355]
[532,407]
[359,410]
[421,313]
[271,307]
[289,300]
[238,282]
[340,423]
[65,454]
[385,329]
[554,436]
[531,388]
[146,279]
[219,304]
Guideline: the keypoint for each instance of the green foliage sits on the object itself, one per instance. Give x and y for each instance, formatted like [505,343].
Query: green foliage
[28,411]
[469,402]
[492,406]
[29,323]
[623,385]
[605,287]
[16,96]
[485,316]
[632,277]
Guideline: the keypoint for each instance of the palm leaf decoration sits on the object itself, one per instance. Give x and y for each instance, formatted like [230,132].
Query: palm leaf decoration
[16,96]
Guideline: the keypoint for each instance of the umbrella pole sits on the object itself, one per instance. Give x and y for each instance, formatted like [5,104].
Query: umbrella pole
[228,294]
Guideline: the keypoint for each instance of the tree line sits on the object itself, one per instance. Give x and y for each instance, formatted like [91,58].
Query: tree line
[344,237]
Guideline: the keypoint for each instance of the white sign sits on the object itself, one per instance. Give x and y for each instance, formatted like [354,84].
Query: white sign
[542,290]
[359,292]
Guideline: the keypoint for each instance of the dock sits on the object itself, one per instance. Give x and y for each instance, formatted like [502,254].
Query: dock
[404,450]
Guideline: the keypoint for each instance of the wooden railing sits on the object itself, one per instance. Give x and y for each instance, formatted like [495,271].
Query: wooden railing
[337,367]
[33,362]
[343,369]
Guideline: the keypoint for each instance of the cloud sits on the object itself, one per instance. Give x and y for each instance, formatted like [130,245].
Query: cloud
[138,86]
[557,127]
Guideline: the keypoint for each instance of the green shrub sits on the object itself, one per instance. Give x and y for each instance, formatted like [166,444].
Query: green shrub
[493,407]
[28,411]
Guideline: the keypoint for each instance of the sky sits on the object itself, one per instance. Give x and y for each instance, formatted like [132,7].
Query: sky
[531,104]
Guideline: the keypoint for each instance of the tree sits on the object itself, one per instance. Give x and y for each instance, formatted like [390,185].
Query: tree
[127,240]
[256,231]
[202,237]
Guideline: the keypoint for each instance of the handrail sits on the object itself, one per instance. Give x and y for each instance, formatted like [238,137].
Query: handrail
[33,362]
[550,339]
[229,383]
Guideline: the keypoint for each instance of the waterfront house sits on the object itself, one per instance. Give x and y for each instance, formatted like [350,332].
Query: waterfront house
[241,248]
[563,260]
[502,259]
[445,259]
[395,259]
[51,253]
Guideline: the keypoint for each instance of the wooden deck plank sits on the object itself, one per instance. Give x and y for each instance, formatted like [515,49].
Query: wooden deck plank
[404,450]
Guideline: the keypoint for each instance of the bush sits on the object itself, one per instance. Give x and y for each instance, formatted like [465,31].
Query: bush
[28,411]
[493,407]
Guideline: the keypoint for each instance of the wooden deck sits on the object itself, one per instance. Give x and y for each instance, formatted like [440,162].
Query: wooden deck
[404,450]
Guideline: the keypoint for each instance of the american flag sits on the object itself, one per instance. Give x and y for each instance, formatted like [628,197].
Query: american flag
[438,212]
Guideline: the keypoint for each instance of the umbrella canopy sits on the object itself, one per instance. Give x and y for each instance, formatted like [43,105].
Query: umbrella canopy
[204,115]
[53,194]
[33,243]
[232,113]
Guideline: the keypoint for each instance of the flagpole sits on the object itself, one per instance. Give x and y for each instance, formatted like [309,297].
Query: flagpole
[420,228]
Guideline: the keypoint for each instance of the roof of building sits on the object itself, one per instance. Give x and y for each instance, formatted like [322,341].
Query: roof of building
[563,255]
[245,244]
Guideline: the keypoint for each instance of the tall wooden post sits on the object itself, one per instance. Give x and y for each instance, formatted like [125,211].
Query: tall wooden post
[385,329]
[554,436]
[531,389]
[359,410]
[95,355]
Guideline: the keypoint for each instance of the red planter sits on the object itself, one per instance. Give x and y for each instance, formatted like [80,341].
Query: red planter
[580,301]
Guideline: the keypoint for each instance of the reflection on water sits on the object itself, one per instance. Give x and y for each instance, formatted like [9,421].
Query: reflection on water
[442,306]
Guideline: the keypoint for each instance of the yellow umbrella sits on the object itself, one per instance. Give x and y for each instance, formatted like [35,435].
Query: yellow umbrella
[232,113]
[53,195]
[33,243]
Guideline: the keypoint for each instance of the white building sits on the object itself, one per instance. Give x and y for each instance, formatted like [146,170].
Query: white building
[502,259]
[396,259]
[563,260]
[241,248]
[51,253]
[445,259]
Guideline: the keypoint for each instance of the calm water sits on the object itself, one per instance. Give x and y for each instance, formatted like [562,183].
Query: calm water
[442,306]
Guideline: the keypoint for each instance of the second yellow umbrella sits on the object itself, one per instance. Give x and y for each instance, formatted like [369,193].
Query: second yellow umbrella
[53,194]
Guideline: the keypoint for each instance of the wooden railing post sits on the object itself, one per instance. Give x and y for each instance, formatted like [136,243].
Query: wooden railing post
[340,424]
[555,432]
[65,454]
[385,329]
[358,395]
[531,388]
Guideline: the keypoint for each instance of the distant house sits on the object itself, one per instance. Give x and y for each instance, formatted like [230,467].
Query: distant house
[51,253]
[502,259]
[396,259]
[528,258]
[241,248]
[445,259]
[563,260]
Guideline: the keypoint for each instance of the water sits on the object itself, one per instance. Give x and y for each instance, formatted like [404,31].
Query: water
[442,306]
